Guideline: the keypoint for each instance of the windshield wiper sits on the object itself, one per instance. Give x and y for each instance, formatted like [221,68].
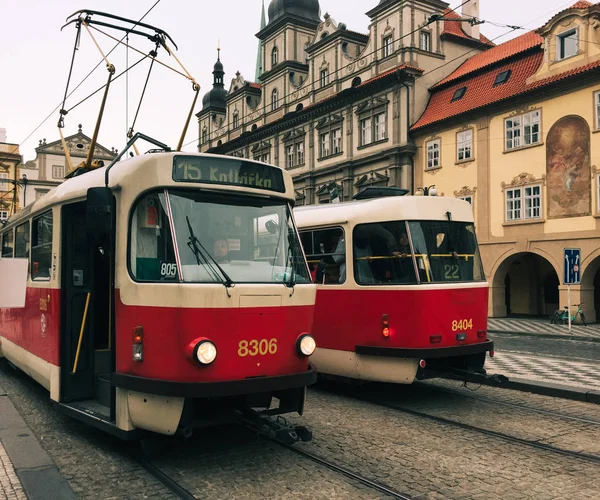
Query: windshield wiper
[199,251]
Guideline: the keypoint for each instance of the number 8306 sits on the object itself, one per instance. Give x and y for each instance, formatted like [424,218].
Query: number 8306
[256,347]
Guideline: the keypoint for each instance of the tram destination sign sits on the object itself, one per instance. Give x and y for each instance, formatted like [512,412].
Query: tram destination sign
[227,171]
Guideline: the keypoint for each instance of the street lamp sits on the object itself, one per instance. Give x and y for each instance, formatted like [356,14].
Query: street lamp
[427,191]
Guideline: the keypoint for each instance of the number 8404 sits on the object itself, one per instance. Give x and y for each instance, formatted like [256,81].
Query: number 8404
[463,324]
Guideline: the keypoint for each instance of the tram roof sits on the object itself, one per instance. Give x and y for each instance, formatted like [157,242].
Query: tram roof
[384,209]
[122,174]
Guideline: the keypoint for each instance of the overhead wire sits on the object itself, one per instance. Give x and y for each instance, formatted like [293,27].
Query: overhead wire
[432,20]
[78,85]
[513,28]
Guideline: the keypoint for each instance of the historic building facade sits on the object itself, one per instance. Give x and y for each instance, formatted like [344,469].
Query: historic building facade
[49,167]
[10,158]
[514,131]
[333,106]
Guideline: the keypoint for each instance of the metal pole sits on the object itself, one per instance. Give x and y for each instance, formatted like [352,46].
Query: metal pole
[569,305]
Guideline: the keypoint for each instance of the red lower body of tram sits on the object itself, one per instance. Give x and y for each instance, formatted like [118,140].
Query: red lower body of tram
[99,380]
[400,335]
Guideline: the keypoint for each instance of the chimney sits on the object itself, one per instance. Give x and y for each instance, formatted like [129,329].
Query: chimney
[2,135]
[470,10]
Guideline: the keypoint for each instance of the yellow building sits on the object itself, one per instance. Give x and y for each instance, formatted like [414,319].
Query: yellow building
[514,130]
[10,158]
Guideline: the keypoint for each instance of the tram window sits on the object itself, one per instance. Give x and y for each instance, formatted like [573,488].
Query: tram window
[41,246]
[325,251]
[7,244]
[382,254]
[448,250]
[22,241]
[152,254]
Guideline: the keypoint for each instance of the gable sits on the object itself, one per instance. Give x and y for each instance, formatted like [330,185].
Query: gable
[78,145]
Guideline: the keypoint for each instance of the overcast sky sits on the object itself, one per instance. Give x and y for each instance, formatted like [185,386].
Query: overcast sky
[35,56]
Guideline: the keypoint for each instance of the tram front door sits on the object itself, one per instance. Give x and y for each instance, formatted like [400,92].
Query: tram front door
[85,346]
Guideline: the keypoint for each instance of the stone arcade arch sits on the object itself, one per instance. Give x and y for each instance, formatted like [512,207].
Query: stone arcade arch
[590,288]
[524,284]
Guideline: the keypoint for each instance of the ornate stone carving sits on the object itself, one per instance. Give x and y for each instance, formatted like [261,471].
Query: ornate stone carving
[523,179]
[465,191]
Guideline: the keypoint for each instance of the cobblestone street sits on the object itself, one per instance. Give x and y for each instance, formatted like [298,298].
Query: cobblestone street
[408,452]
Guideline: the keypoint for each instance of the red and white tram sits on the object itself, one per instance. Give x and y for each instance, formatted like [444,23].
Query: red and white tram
[401,293]
[162,293]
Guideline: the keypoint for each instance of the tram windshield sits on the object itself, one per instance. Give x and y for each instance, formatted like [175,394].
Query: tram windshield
[199,237]
[412,252]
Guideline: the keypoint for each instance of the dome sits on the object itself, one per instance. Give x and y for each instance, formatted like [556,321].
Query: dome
[214,98]
[307,9]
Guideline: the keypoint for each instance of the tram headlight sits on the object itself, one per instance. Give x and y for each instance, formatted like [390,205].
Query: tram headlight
[205,352]
[306,344]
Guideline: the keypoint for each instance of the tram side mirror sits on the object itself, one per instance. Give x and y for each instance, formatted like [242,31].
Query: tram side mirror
[100,209]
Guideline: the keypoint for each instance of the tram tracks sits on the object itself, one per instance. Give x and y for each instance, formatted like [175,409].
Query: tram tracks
[563,416]
[533,443]
[375,485]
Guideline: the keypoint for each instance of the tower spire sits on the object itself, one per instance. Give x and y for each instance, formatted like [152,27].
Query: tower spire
[259,61]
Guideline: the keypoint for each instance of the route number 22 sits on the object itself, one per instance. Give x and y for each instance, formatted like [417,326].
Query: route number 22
[451,272]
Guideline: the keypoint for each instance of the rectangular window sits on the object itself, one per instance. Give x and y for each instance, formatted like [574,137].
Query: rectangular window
[388,43]
[365,131]
[236,121]
[468,199]
[3,214]
[4,185]
[522,130]
[41,247]
[433,153]
[379,126]
[597,102]
[425,41]
[300,153]
[324,144]
[324,78]
[58,171]
[22,241]
[513,204]
[325,251]
[533,202]
[567,44]
[265,157]
[290,155]
[7,244]
[336,139]
[464,145]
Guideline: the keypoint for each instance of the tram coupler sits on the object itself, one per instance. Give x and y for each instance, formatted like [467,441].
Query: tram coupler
[277,428]
[478,377]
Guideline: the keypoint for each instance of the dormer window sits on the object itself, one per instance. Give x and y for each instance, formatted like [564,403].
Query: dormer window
[274,57]
[502,77]
[567,44]
[458,95]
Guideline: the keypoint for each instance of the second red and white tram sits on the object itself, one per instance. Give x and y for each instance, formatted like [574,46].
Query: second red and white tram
[401,292]
[162,294]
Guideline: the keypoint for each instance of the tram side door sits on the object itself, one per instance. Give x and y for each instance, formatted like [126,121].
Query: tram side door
[84,309]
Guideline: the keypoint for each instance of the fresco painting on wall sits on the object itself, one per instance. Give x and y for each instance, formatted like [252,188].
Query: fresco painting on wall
[568,168]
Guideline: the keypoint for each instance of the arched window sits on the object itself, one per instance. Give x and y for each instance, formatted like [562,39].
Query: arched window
[274,100]
[236,119]
[274,56]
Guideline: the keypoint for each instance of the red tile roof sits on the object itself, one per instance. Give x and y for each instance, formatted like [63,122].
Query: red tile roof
[455,28]
[494,55]
[582,4]
[255,85]
[482,92]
